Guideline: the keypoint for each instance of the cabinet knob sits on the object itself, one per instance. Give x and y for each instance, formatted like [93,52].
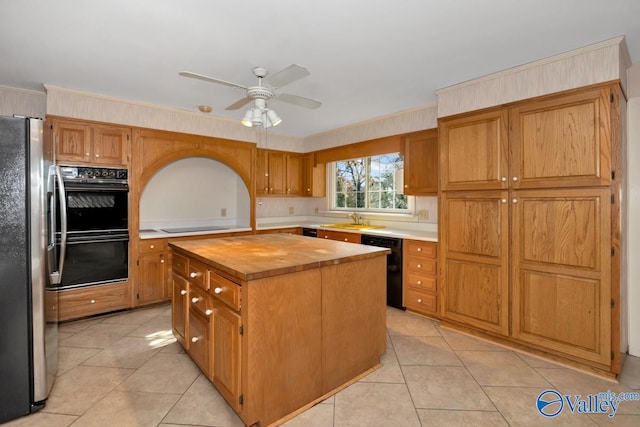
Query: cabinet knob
[514,179]
[419,249]
[308,190]
[208,312]
[406,186]
[419,282]
[93,301]
[87,154]
[97,155]
[194,274]
[419,265]
[326,237]
[346,239]
[271,189]
[161,261]
[419,300]
[183,292]
[195,339]
[195,300]
[515,200]
[504,200]
[151,246]
[503,179]
[217,290]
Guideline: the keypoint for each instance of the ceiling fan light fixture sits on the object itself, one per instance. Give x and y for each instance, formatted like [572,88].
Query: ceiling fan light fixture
[257,117]
[248,116]
[273,118]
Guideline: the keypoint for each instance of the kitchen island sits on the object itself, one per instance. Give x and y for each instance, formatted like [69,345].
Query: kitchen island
[279,322]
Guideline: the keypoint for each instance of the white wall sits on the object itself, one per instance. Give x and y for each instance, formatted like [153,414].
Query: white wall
[194,190]
[632,234]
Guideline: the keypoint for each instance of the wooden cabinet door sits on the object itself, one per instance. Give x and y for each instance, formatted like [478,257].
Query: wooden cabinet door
[475,272]
[72,142]
[421,163]
[179,305]
[262,172]
[474,151]
[111,145]
[226,355]
[152,276]
[277,173]
[314,176]
[200,341]
[561,279]
[294,174]
[562,142]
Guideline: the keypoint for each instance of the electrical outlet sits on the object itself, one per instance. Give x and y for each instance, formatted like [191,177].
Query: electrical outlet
[291,210]
[423,214]
[223,212]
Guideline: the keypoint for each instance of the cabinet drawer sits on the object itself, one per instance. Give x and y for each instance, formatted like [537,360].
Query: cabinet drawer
[199,341]
[339,236]
[421,265]
[420,248]
[198,274]
[422,282]
[225,290]
[152,245]
[180,265]
[420,301]
[76,303]
[199,300]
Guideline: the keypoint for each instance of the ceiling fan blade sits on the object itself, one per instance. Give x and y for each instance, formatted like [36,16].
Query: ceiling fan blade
[209,79]
[289,75]
[300,101]
[239,103]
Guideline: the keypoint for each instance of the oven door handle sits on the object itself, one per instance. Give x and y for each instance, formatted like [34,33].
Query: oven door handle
[81,242]
[56,276]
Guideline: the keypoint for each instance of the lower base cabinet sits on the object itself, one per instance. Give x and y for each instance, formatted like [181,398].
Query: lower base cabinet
[91,300]
[226,356]
[420,281]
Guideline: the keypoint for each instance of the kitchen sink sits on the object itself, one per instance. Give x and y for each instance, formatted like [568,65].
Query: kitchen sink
[352,226]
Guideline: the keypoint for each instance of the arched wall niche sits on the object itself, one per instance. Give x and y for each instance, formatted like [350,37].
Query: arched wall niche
[193,189]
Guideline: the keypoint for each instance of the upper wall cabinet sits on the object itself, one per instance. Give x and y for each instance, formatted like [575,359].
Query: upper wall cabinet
[421,163]
[278,173]
[562,141]
[78,142]
[314,176]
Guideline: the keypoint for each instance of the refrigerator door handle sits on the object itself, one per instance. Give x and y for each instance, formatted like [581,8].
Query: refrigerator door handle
[56,276]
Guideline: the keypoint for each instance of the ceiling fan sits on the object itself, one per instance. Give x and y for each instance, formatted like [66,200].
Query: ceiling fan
[260,115]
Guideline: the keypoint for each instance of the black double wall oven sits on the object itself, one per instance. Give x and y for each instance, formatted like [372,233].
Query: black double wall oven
[92,233]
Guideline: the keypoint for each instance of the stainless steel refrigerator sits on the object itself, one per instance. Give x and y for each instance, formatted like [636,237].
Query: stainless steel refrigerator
[28,306]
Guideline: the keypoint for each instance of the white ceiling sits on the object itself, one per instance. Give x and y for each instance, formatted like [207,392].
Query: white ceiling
[367,58]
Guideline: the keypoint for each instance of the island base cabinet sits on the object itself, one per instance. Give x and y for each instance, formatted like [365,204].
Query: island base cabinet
[179,309]
[226,355]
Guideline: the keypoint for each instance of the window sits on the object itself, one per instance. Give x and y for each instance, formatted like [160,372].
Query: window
[369,183]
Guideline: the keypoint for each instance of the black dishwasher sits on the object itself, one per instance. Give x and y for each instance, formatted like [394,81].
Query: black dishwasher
[394,266]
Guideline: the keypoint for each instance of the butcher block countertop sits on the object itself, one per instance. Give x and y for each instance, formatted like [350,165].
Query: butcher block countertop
[259,256]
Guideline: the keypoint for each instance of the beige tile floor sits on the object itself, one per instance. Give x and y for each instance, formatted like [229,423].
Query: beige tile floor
[127,370]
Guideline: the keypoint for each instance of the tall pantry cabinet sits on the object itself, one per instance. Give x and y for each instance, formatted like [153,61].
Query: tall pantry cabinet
[530,223]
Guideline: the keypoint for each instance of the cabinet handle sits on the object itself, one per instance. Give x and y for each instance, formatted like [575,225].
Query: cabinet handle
[151,246]
[419,302]
[195,299]
[217,290]
[326,237]
[271,189]
[419,265]
[161,261]
[183,292]
[419,249]
[97,155]
[208,312]
[406,186]
[504,200]
[346,239]
[195,339]
[194,274]
[503,179]
[308,190]
[419,282]
[87,154]
[514,179]
[288,190]
[93,301]
[515,200]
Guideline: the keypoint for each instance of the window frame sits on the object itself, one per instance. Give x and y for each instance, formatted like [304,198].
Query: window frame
[332,187]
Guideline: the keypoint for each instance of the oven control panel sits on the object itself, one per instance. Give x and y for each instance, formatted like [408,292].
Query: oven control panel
[86,174]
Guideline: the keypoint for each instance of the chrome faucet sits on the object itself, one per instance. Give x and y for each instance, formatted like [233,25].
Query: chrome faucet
[357,219]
